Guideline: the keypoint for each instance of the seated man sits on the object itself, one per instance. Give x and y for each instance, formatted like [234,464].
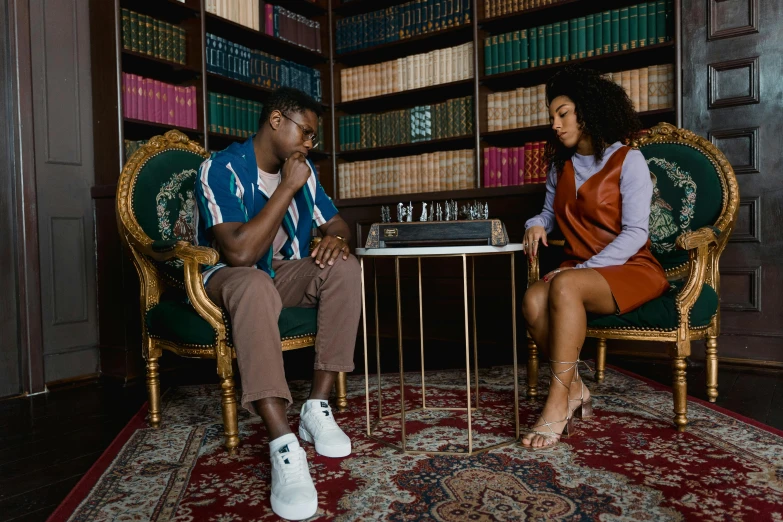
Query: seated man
[257,204]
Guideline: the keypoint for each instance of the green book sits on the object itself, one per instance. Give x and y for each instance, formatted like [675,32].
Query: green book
[615,30]
[548,49]
[625,35]
[581,34]
[651,19]
[541,36]
[642,24]
[213,127]
[516,53]
[573,38]
[532,41]
[633,26]
[149,45]
[557,56]
[660,21]
[342,133]
[606,25]
[156,39]
[495,55]
[219,113]
[589,36]
[142,34]
[502,61]
[488,56]
[524,55]
[509,52]
[598,35]
[133,23]
[669,19]
[182,44]
[564,39]
[126,33]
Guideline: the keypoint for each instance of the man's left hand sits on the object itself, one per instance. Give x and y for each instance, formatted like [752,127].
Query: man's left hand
[328,249]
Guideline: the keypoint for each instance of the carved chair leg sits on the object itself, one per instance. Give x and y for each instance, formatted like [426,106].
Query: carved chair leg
[153,392]
[230,422]
[532,369]
[341,389]
[680,389]
[712,368]
[600,361]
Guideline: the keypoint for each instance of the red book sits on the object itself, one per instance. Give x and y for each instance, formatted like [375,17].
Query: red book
[189,108]
[131,92]
[537,162]
[513,171]
[504,167]
[487,151]
[181,114]
[171,104]
[269,27]
[149,95]
[521,165]
[141,107]
[157,114]
[493,162]
[541,163]
[125,100]
[528,163]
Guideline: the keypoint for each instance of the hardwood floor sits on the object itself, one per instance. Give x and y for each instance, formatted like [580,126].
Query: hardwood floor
[49,441]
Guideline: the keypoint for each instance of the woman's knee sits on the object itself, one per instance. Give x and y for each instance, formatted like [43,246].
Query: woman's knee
[564,289]
[534,304]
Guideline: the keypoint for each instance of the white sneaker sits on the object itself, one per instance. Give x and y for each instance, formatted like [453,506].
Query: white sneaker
[293,493]
[317,425]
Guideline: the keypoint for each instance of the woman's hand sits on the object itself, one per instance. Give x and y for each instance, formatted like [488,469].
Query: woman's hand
[530,242]
[551,275]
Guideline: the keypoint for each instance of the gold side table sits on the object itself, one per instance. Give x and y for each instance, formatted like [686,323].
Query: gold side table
[418,253]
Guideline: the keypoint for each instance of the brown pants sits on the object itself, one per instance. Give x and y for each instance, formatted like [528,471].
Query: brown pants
[254,301]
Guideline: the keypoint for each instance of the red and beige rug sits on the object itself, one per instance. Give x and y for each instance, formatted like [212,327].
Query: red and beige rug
[626,463]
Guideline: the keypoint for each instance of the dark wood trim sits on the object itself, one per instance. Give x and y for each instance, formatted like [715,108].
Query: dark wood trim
[70,382]
[463,194]
[104,191]
[406,149]
[28,262]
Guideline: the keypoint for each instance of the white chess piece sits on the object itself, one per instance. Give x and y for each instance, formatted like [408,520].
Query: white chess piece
[423,212]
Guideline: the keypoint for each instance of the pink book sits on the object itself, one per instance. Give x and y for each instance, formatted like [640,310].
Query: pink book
[193,107]
[521,165]
[141,106]
[171,105]
[269,20]
[504,167]
[181,113]
[157,115]
[537,162]
[188,107]
[513,172]
[149,95]
[493,167]
[486,166]
[542,168]
[528,162]
[125,95]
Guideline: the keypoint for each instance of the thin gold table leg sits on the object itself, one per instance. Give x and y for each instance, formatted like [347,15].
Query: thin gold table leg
[377,339]
[514,342]
[475,327]
[467,349]
[399,348]
[421,337]
[364,336]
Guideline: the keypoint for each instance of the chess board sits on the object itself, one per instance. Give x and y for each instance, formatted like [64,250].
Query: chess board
[490,232]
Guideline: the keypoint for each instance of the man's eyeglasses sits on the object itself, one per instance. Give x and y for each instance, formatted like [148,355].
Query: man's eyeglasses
[306,136]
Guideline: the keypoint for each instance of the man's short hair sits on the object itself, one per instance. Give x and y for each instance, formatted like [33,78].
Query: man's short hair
[288,101]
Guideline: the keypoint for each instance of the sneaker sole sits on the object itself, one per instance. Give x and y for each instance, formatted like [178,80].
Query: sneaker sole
[294,511]
[342,450]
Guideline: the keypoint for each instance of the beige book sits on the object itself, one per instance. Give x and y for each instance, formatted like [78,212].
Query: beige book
[526,121]
[344,85]
[626,79]
[415,174]
[255,15]
[388,176]
[513,110]
[491,125]
[635,88]
[402,78]
[341,176]
[467,177]
[541,106]
[347,92]
[643,90]
[437,66]
[430,72]
[410,66]
[456,63]
[468,57]
[505,98]
[211,6]
[652,88]
[395,175]
[417,83]
[449,64]
[405,175]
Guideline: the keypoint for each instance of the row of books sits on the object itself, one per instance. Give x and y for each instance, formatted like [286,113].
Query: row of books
[494,8]
[233,116]
[602,33]
[154,101]
[443,120]
[437,171]
[247,65]
[242,12]
[650,88]
[147,35]
[509,166]
[291,27]
[411,72]
[399,22]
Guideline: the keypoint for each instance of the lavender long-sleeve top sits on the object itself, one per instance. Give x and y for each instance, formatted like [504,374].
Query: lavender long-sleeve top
[636,190]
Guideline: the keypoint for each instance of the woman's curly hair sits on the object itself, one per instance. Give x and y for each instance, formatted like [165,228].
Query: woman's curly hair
[603,110]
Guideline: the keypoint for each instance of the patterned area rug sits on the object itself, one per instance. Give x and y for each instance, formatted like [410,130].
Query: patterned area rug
[626,463]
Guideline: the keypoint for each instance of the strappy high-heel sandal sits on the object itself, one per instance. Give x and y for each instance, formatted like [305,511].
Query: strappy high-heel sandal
[568,428]
[585,408]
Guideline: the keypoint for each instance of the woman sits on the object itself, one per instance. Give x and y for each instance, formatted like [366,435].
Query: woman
[598,194]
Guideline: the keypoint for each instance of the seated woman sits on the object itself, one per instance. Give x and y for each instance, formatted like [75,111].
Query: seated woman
[598,194]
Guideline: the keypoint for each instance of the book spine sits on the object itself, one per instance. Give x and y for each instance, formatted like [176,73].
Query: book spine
[589,36]
[633,27]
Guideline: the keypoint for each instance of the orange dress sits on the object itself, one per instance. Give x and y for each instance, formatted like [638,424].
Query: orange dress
[591,218]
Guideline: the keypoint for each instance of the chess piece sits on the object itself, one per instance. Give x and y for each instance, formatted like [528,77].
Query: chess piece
[486,210]
[448,211]
[423,212]
[410,212]
[400,213]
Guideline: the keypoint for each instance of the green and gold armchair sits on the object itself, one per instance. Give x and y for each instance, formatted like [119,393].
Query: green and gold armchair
[155,215]
[693,211]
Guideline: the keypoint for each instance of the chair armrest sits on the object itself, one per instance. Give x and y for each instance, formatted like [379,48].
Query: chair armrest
[697,243]
[694,239]
[533,270]
[166,250]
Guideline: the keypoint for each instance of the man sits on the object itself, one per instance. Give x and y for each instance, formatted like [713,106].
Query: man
[257,204]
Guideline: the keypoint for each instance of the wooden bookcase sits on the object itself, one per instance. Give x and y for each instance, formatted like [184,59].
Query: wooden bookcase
[119,317]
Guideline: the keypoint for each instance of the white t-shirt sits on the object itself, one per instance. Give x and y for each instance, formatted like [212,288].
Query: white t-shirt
[269,183]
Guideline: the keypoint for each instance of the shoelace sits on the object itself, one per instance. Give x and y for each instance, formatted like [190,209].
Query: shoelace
[293,466]
[325,422]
